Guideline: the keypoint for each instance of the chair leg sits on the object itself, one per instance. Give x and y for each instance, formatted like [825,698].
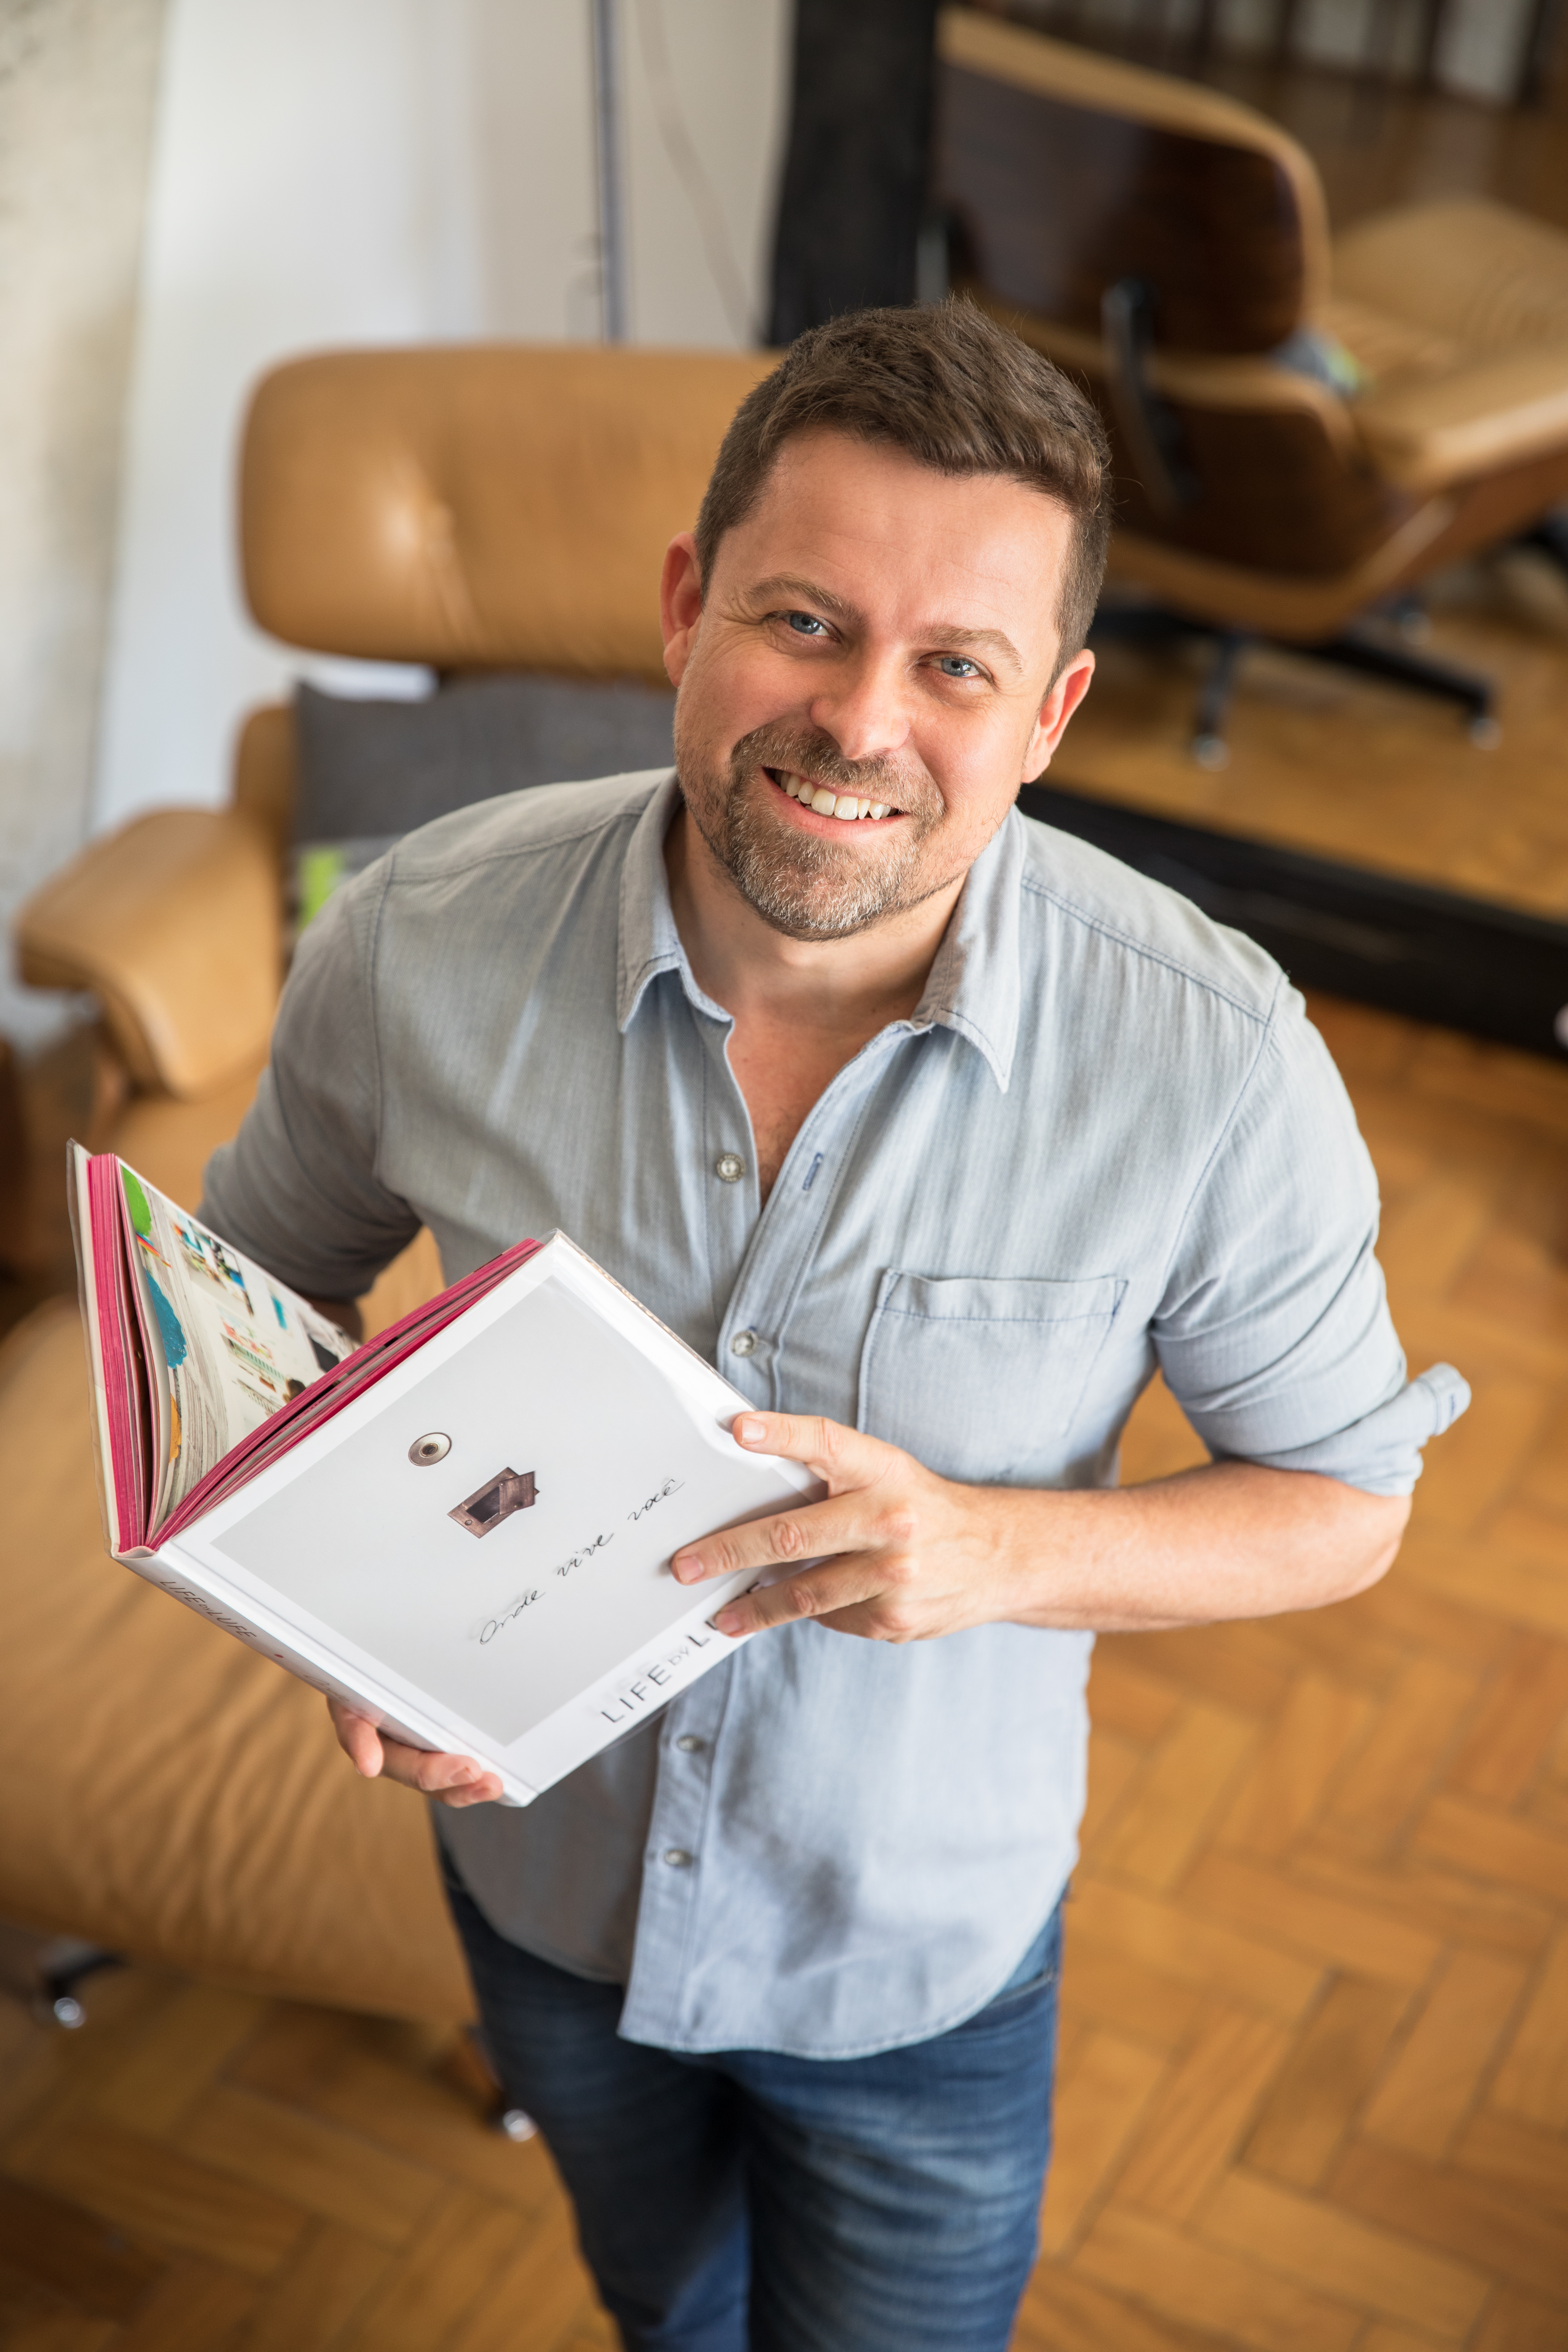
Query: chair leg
[1550,535]
[1410,617]
[1425,672]
[1210,749]
[468,2064]
[62,1964]
[1155,625]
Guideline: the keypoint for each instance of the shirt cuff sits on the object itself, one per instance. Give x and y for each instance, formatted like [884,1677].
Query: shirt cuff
[1381,1453]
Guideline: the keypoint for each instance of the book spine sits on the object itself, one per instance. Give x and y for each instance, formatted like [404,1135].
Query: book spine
[79,1203]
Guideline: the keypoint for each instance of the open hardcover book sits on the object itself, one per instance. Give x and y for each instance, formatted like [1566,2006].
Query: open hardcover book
[464,1527]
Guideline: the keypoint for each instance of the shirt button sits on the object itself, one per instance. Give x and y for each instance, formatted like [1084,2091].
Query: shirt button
[689,1745]
[729,1168]
[744,1343]
[678,1857]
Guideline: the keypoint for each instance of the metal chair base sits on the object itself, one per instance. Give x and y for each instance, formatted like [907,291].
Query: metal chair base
[1354,649]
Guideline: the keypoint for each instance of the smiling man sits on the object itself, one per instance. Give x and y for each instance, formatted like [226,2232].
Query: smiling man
[938,1132]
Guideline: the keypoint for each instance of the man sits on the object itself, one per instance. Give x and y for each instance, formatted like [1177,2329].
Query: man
[937,1131]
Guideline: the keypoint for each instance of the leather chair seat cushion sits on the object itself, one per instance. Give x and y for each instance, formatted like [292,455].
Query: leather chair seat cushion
[1384,346]
[1487,279]
[164,1791]
[1481,416]
[1459,312]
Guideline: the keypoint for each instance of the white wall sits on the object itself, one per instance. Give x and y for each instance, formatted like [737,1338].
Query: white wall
[332,171]
[76,82]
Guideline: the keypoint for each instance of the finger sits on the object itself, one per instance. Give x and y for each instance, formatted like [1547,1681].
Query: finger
[815,1532]
[842,1456]
[452,1779]
[485,1791]
[821,1593]
[358,1738]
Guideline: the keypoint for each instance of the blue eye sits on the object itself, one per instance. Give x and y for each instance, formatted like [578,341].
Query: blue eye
[957,665]
[805,624]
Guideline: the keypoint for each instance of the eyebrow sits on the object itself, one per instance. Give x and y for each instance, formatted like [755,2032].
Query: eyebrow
[839,608]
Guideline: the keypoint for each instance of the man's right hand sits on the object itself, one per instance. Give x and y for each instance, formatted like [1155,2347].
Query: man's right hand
[451,1780]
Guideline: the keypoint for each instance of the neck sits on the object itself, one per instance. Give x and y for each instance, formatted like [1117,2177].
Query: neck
[846,987]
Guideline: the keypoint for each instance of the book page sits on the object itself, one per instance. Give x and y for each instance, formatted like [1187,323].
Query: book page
[528,1554]
[228,1344]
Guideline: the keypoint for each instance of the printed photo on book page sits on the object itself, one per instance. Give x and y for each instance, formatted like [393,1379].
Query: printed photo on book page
[227,1345]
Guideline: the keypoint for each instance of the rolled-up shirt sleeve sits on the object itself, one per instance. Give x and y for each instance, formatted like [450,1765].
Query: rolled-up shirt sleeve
[299,1187]
[1273,1331]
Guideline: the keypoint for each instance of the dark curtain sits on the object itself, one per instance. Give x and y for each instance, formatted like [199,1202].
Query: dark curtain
[855,170]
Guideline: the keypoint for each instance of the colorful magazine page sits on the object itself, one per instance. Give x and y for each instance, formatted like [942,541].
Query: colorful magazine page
[227,1347]
[334,1389]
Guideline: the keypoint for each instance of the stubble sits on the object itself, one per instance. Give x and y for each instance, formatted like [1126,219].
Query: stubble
[803,885]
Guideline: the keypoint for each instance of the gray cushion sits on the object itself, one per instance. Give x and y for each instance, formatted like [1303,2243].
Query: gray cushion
[375,770]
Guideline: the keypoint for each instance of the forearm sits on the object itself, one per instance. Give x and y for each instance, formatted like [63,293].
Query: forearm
[898,1554]
[1232,1539]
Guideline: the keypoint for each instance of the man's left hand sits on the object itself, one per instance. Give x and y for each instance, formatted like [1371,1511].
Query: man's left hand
[900,1554]
[896,1554]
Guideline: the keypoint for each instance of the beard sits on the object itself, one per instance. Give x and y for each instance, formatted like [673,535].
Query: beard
[804,886]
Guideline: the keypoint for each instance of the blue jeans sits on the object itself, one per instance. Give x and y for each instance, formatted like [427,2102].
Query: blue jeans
[747,2202]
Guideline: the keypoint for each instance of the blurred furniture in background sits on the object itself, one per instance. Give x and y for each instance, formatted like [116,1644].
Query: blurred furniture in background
[852,200]
[164,1791]
[1378,40]
[1302,431]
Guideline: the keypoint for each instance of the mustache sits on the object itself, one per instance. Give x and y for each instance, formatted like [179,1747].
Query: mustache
[817,757]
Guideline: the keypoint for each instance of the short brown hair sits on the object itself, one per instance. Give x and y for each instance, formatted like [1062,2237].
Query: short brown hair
[954,390]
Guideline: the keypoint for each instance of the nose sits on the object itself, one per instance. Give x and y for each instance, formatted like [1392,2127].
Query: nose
[866,707]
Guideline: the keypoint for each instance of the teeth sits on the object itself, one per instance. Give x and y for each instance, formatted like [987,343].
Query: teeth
[826,803]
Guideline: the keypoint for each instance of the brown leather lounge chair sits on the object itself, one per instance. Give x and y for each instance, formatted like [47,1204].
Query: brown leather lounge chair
[1303,429]
[163,1792]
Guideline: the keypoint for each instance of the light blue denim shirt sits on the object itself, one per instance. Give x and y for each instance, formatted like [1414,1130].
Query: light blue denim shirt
[1107,1139]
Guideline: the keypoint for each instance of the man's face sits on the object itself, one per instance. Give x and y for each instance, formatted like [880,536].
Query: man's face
[866,679]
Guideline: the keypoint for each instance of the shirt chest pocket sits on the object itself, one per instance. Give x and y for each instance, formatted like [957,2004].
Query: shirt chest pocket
[979,1378]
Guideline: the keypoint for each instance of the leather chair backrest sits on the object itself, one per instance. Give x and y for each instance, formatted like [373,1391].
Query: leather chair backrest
[1067,172]
[500,505]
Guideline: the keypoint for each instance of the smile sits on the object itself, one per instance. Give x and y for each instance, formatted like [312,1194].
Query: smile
[846,805]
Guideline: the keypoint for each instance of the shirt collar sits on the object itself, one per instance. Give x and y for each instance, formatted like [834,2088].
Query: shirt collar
[650,942]
[974,988]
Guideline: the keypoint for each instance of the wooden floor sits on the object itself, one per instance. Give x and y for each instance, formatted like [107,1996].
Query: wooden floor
[1346,768]
[1314,2068]
[1314,2082]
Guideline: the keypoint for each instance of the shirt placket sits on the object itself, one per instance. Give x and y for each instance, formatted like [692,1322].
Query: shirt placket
[751,1334]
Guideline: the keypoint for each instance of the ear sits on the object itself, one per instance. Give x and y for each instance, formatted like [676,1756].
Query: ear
[1057,707]
[679,604]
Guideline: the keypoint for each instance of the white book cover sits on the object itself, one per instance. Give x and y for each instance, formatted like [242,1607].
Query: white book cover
[473,1548]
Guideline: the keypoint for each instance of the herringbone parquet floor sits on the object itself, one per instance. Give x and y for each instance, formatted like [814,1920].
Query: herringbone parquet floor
[1314,2073]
